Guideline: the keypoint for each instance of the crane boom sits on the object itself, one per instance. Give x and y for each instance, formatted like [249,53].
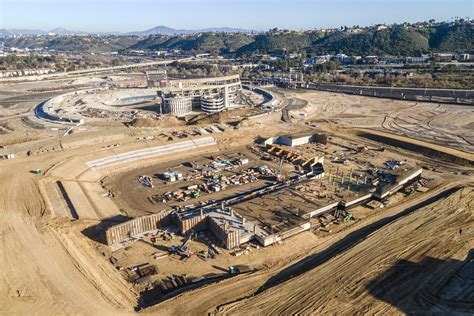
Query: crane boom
[280,169]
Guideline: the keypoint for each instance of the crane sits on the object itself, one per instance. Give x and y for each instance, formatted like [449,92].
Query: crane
[280,176]
[184,250]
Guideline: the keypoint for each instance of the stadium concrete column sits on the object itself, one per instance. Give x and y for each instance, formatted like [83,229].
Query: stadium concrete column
[226,96]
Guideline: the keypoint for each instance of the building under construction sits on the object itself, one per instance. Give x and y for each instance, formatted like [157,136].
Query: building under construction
[183,96]
[281,208]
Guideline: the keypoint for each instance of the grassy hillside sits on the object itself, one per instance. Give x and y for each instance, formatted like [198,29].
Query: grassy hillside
[396,41]
[457,38]
[399,40]
[271,42]
[218,43]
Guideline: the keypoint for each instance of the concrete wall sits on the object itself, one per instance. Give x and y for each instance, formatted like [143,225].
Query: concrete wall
[136,227]
[196,223]
[300,140]
[230,238]
[321,210]
[267,240]
[359,200]
[271,239]
[401,182]
[296,230]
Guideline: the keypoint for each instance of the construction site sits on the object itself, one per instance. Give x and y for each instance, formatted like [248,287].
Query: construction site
[132,192]
[159,98]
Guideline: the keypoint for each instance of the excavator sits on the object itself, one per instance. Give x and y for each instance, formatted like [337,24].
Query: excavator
[184,250]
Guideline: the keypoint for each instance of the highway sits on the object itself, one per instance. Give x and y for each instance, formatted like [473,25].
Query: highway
[95,70]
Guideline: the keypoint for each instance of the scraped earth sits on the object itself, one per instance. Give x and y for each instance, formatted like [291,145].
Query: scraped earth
[405,267]
[447,125]
[50,270]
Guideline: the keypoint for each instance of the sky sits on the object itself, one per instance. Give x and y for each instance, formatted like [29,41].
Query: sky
[138,15]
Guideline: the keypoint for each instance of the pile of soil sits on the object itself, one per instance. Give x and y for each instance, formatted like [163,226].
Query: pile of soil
[169,121]
[248,123]
[221,117]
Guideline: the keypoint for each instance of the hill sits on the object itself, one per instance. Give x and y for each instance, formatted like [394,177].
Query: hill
[271,42]
[219,43]
[165,30]
[456,38]
[63,31]
[396,40]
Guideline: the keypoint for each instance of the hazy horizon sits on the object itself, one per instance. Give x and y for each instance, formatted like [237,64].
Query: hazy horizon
[139,15]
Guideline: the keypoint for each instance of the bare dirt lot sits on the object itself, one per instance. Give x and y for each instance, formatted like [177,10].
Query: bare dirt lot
[133,196]
[446,125]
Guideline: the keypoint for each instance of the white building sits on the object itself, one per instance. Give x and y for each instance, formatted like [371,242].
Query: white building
[211,95]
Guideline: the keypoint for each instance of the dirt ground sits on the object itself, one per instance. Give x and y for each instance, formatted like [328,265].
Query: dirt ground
[446,125]
[133,196]
[410,255]
[50,266]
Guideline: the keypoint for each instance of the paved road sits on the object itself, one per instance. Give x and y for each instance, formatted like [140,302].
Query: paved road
[32,97]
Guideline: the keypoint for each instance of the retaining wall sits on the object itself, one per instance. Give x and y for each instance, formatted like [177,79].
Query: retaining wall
[135,227]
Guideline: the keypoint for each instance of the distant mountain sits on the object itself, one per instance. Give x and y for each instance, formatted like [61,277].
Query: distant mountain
[165,30]
[11,32]
[57,31]
[225,30]
[63,31]
[158,30]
